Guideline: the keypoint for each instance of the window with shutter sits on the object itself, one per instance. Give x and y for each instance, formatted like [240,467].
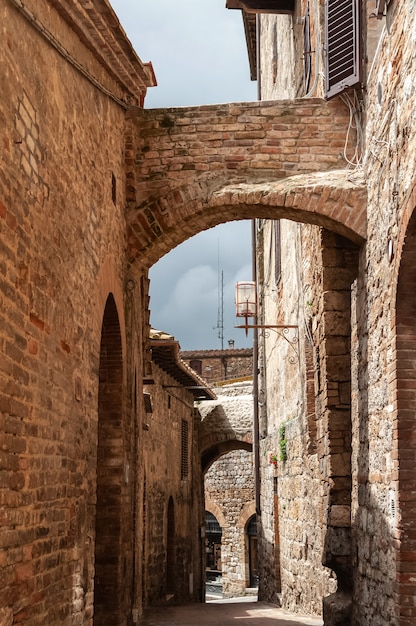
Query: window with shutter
[185,450]
[342,45]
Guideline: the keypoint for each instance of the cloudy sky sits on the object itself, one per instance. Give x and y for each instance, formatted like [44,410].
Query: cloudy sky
[198,51]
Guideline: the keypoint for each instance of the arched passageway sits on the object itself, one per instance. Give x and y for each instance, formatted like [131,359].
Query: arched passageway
[229,495]
[109,569]
[191,169]
[402,496]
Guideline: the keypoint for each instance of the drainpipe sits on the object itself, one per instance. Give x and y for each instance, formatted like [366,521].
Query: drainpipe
[256,448]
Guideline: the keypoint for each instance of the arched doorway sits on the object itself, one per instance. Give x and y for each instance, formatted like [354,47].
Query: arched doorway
[108,588]
[402,496]
[251,531]
[213,555]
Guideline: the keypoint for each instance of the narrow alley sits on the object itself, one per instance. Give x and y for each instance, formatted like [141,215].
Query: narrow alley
[241,612]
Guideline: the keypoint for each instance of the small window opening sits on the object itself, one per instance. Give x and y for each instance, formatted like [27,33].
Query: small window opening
[113,188]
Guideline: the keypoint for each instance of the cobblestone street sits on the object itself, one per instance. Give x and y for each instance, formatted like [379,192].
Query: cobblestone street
[225,613]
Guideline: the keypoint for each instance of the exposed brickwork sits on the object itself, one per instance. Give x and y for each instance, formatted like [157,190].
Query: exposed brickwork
[192,168]
[62,248]
[80,185]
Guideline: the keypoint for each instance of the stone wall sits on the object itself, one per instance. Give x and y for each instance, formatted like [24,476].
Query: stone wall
[380,549]
[383,444]
[292,531]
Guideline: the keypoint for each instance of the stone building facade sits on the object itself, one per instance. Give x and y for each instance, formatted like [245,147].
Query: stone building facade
[338,399]
[94,190]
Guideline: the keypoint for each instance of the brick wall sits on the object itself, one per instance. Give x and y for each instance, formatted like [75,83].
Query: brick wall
[62,254]
[187,167]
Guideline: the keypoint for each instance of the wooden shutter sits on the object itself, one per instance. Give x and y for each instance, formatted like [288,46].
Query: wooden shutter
[185,450]
[342,45]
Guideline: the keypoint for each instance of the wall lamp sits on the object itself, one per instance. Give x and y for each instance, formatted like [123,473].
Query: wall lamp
[246,307]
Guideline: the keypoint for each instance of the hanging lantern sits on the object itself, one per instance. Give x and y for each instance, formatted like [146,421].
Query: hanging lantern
[245,300]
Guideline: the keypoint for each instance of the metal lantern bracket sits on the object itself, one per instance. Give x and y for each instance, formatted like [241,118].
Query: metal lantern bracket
[246,307]
[280,329]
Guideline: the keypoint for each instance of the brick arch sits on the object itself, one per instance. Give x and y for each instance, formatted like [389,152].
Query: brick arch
[108,283]
[213,453]
[403,395]
[213,508]
[328,199]
[246,514]
[191,168]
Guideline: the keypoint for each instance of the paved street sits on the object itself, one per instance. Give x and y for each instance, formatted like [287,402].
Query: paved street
[225,613]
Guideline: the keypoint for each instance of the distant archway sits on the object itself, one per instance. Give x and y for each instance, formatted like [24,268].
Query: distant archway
[251,551]
[211,454]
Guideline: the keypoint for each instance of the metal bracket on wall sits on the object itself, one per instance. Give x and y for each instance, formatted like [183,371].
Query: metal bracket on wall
[283,330]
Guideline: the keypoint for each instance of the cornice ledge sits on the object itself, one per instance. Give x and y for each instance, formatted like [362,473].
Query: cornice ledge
[97,26]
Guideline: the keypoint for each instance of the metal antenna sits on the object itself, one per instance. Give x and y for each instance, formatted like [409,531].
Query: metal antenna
[220,319]
[220,314]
